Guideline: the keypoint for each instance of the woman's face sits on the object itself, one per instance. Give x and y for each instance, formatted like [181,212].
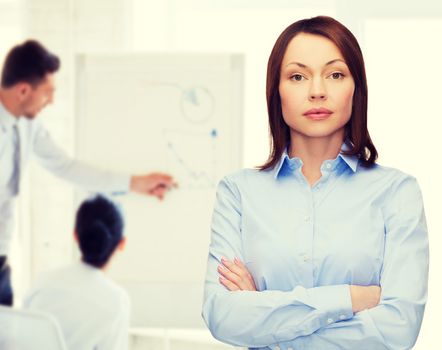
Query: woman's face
[316,87]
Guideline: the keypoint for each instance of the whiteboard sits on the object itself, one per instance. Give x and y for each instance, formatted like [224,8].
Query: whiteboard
[172,112]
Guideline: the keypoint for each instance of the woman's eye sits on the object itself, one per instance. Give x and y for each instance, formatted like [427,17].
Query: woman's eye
[337,75]
[297,77]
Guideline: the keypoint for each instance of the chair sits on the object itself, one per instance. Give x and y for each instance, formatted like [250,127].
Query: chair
[26,330]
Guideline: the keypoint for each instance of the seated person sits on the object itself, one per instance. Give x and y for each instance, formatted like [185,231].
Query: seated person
[92,310]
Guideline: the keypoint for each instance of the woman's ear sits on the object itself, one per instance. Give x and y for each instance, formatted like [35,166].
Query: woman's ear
[75,237]
[122,244]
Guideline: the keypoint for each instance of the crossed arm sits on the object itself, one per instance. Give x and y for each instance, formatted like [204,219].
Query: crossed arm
[235,276]
[326,317]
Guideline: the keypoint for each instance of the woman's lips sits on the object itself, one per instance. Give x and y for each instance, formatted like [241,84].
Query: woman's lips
[318,113]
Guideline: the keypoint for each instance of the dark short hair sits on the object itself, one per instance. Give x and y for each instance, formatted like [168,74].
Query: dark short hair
[357,136]
[28,62]
[99,228]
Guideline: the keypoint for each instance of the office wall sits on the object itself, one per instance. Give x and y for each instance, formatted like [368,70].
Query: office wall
[399,40]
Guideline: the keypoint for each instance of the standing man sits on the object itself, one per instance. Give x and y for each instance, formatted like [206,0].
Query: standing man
[27,86]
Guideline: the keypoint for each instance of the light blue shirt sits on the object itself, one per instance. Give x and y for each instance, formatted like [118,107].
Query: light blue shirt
[35,140]
[305,245]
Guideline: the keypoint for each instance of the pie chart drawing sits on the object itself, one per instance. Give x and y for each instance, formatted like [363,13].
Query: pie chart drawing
[197,104]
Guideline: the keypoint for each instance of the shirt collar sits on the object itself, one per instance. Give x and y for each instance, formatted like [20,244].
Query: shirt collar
[351,161]
[288,165]
[88,268]
[7,120]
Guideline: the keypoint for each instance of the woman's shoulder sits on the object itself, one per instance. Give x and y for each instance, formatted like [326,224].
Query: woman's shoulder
[390,177]
[246,175]
[386,171]
[72,276]
[118,292]
[57,276]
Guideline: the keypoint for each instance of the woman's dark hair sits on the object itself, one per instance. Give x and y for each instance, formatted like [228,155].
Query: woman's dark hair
[99,228]
[357,137]
[28,62]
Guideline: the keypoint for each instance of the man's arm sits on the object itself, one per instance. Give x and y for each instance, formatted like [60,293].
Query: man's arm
[54,159]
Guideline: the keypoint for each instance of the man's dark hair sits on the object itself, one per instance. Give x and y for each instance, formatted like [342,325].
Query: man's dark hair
[28,62]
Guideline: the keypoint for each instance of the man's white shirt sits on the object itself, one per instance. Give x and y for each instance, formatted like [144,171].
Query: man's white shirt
[36,141]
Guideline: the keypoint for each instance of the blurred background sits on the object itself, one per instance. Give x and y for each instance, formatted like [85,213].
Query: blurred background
[403,54]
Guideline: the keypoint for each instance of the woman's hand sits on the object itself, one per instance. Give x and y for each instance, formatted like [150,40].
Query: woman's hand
[364,297]
[235,276]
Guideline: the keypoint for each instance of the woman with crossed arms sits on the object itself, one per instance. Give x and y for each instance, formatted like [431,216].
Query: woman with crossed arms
[319,248]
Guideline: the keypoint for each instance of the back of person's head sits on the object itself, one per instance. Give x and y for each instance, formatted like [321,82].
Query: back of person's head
[29,62]
[99,229]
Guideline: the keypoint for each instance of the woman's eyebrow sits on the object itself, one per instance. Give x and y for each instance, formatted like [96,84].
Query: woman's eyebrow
[327,64]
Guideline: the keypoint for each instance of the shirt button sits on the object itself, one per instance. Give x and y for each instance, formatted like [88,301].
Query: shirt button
[342,317]
[305,258]
[328,165]
[277,348]
[330,320]
[307,218]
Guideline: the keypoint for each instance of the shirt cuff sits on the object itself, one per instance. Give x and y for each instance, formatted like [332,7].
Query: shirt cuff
[121,184]
[334,302]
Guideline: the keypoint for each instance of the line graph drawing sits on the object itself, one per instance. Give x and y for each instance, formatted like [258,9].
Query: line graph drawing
[185,151]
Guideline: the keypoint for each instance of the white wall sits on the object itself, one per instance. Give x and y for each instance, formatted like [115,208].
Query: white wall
[400,40]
